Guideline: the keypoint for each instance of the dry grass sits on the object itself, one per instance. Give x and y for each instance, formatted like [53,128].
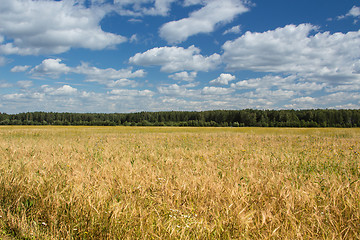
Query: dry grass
[179,183]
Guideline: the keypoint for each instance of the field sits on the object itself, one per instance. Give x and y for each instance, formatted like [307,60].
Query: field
[179,183]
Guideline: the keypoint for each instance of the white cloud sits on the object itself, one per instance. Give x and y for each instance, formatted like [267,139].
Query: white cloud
[4,84]
[59,99]
[13,96]
[177,90]
[25,84]
[141,7]
[135,20]
[291,82]
[235,30]
[299,66]
[110,77]
[304,100]
[340,98]
[277,84]
[192,2]
[133,93]
[348,106]
[20,68]
[38,27]
[274,89]
[203,20]
[293,50]
[133,38]
[121,83]
[206,96]
[66,98]
[305,86]
[2,61]
[43,92]
[271,51]
[174,59]
[344,88]
[216,91]
[184,76]
[267,81]
[51,68]
[272,95]
[354,12]
[161,7]
[61,91]
[247,84]
[223,79]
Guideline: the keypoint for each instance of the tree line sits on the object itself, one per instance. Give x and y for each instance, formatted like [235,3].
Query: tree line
[215,118]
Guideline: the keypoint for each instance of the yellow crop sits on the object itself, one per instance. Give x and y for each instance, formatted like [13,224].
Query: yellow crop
[179,183]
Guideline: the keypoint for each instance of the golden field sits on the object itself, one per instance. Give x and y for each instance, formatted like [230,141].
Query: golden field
[179,183]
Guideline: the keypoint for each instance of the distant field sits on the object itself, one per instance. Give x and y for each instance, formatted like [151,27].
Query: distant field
[179,183]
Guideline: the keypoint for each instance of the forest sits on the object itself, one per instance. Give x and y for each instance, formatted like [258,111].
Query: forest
[214,118]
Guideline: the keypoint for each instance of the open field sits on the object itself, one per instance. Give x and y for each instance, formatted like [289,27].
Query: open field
[179,183]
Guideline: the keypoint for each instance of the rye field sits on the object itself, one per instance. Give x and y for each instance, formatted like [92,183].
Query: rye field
[179,183]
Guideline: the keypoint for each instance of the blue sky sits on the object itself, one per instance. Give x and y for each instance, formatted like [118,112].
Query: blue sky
[189,55]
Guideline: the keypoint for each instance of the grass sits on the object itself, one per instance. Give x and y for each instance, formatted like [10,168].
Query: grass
[179,183]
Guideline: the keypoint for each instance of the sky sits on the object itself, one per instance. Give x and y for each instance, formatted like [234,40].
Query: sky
[106,56]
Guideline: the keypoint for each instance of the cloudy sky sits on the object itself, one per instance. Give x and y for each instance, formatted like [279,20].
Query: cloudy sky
[160,55]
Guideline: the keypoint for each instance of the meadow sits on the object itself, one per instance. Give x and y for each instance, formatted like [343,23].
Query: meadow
[179,183]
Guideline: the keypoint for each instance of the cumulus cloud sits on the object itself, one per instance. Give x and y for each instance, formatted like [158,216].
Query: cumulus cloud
[223,79]
[161,7]
[294,50]
[133,93]
[183,91]
[202,21]
[263,82]
[273,90]
[184,76]
[340,98]
[308,87]
[65,90]
[247,84]
[20,68]
[4,84]
[291,82]
[354,12]
[61,91]
[2,61]
[304,100]
[178,91]
[133,38]
[174,59]
[135,20]
[50,68]
[124,82]
[235,30]
[142,7]
[25,84]
[216,91]
[47,98]
[38,27]
[110,77]
[13,96]
[344,88]
[272,95]
[192,2]
[65,98]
